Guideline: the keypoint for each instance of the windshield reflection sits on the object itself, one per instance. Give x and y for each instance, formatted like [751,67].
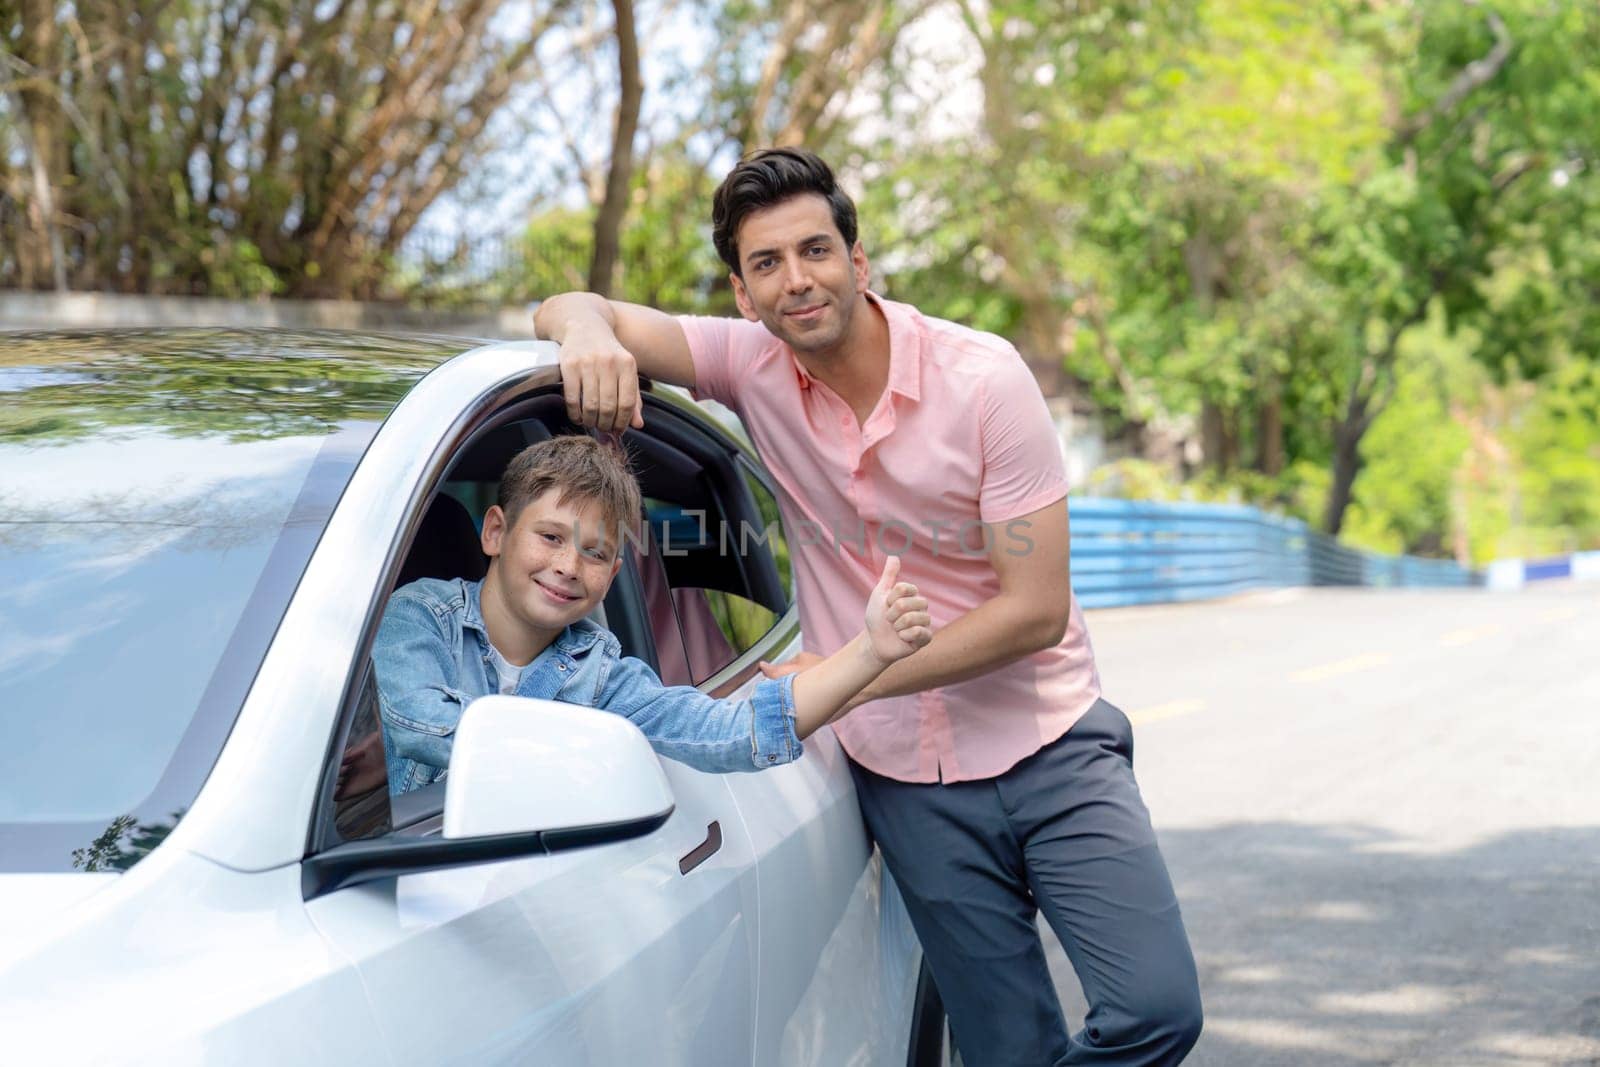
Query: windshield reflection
[160,495]
[122,844]
[242,385]
[120,602]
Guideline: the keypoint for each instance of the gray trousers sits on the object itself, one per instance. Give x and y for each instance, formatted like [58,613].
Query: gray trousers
[1064,832]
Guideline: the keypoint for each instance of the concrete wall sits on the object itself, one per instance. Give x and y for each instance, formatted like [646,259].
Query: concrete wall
[54,311]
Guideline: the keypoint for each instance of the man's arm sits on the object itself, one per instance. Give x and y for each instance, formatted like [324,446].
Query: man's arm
[1030,556]
[605,346]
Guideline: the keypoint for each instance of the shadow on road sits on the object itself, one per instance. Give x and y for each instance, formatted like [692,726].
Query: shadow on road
[1341,944]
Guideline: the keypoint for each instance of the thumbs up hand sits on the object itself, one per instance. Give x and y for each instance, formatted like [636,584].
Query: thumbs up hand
[897,617]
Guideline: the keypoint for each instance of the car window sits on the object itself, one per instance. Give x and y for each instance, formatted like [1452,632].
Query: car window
[708,579]
[772,523]
[445,545]
[714,524]
[361,793]
[712,626]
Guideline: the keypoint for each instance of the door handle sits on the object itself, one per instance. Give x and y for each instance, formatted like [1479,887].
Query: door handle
[704,850]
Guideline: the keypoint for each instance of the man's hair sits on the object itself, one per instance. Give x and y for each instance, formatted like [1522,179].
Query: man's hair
[768,177]
[581,470]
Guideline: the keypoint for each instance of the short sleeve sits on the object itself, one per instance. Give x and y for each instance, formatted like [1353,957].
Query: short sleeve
[1023,469]
[722,350]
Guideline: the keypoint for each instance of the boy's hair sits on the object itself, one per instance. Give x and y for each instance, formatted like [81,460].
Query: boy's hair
[581,470]
[768,177]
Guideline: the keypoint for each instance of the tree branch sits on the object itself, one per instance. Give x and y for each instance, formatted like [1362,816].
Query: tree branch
[1472,77]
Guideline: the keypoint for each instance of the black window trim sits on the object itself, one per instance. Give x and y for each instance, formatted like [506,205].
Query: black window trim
[726,486]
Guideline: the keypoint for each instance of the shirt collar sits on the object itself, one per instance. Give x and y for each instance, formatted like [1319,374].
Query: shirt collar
[905,350]
[580,637]
[473,619]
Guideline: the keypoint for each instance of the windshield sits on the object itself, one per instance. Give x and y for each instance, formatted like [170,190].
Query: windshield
[138,591]
[156,513]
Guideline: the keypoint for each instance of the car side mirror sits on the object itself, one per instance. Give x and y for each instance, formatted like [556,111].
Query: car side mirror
[526,777]
[519,765]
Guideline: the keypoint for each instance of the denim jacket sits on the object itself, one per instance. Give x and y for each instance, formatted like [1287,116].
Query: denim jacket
[432,660]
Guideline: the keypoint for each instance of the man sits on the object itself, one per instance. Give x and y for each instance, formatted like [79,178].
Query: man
[991,774]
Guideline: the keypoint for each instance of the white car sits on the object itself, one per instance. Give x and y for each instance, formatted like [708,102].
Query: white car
[198,533]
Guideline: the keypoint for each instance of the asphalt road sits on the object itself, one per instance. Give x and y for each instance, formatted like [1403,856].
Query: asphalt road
[1381,810]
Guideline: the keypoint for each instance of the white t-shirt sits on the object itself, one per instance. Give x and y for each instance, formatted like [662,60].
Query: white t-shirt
[509,673]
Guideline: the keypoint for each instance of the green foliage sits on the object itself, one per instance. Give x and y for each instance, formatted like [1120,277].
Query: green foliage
[1251,208]
[188,384]
[1559,445]
[1132,479]
[1412,455]
[667,259]
[1343,248]
[220,147]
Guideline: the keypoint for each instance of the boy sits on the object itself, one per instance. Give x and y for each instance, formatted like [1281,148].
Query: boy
[553,543]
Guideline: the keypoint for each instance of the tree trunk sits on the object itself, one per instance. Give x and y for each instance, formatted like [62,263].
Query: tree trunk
[608,220]
[1201,258]
[1269,430]
[1230,439]
[1041,333]
[1213,436]
[37,126]
[1346,465]
[1029,275]
[1370,392]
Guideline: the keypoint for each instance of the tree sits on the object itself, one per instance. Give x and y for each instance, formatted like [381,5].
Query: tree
[241,146]
[775,74]
[1496,103]
[785,71]
[608,219]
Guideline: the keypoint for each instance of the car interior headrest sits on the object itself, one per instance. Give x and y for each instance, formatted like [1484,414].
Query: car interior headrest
[447,545]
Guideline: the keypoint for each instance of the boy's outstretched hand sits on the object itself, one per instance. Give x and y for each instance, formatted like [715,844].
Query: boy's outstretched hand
[897,616]
[898,624]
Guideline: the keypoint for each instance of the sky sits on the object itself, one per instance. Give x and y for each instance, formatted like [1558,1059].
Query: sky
[531,166]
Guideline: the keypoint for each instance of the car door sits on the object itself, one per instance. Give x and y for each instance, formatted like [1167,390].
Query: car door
[836,946]
[838,937]
[640,951]
[620,953]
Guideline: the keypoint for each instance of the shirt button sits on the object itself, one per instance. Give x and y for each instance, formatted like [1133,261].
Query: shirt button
[772,759]
[561,666]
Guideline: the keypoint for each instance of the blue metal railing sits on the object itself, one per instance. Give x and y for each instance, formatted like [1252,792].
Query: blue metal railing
[1515,573]
[1143,552]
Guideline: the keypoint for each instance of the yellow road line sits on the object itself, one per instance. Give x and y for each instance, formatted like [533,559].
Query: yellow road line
[1343,666]
[1560,614]
[1170,710]
[1457,638]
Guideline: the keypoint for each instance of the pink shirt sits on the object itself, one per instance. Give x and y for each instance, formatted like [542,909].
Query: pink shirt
[960,437]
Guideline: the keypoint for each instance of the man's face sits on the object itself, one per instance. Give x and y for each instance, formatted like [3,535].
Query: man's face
[554,563]
[800,281]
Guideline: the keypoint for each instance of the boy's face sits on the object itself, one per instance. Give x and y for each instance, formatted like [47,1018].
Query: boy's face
[800,281]
[554,563]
